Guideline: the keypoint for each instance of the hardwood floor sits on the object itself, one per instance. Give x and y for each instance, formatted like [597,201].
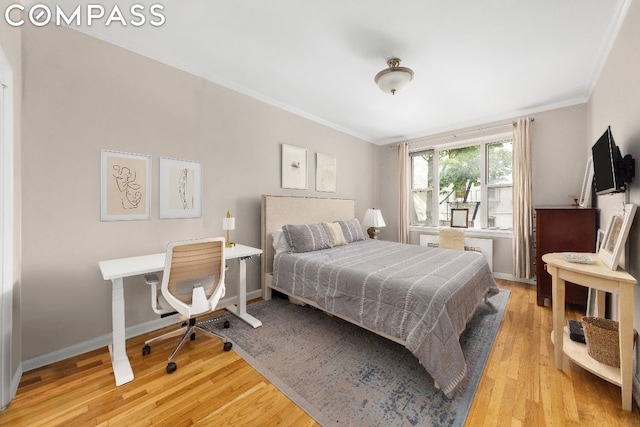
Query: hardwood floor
[520,385]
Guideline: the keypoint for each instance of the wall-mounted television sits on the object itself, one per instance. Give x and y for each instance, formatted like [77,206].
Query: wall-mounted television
[611,171]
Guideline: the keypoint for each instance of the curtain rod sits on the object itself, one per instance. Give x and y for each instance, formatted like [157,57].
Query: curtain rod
[456,134]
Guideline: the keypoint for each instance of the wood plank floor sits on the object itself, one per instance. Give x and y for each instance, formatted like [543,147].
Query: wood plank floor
[520,386]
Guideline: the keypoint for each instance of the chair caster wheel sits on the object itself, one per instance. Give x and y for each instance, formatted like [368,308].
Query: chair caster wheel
[146,350]
[227,324]
[193,336]
[171,367]
[227,346]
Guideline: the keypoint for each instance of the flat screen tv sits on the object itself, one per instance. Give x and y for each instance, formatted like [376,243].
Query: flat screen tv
[611,171]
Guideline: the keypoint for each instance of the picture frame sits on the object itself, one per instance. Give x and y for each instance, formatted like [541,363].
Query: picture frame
[616,236]
[325,173]
[460,218]
[180,188]
[294,167]
[591,296]
[125,186]
[587,185]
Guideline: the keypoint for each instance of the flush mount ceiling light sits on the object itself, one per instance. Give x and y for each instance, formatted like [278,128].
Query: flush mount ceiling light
[393,78]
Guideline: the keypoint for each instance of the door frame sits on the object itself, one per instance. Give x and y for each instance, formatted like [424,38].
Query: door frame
[7,262]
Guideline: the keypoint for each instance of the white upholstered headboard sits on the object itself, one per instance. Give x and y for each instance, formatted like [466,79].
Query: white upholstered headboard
[281,210]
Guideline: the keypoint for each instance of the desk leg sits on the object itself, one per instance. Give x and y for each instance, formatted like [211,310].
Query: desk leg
[557,293]
[241,309]
[121,366]
[625,307]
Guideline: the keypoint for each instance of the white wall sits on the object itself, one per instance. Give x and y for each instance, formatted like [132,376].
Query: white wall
[82,95]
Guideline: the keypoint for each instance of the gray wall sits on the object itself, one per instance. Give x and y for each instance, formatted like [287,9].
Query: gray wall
[82,95]
[615,101]
[559,160]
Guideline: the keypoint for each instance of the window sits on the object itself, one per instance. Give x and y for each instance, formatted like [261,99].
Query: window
[476,176]
[421,188]
[499,184]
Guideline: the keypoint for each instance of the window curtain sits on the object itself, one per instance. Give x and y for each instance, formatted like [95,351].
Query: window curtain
[403,202]
[522,199]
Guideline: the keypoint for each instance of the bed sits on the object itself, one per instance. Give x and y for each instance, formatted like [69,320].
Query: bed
[418,296]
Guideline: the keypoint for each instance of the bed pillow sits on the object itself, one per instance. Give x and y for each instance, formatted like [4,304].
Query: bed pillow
[280,242]
[306,238]
[451,238]
[352,230]
[334,232]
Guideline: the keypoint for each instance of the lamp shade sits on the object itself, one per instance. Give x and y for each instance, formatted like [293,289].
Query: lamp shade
[229,222]
[373,218]
[394,78]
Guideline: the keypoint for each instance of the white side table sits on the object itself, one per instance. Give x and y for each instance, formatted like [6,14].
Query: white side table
[599,277]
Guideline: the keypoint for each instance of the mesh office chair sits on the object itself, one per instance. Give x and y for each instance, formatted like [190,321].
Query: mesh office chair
[192,284]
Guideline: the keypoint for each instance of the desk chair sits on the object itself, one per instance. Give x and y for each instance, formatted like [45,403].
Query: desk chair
[192,284]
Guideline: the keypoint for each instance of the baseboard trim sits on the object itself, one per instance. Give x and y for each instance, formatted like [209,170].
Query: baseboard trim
[512,278]
[105,340]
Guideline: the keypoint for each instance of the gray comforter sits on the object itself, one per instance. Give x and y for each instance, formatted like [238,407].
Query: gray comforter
[424,296]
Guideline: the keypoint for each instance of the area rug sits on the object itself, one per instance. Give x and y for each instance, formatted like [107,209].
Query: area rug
[341,374]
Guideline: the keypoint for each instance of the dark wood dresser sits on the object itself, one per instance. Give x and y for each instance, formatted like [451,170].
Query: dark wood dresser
[563,229]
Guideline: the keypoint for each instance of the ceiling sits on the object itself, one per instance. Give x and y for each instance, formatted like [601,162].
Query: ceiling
[475,62]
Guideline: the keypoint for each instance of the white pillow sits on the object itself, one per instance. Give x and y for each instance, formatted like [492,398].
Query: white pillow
[280,242]
[335,234]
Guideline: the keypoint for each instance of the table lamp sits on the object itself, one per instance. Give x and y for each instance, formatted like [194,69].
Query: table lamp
[229,223]
[373,219]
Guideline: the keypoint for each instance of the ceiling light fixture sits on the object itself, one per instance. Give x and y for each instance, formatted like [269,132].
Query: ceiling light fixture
[393,78]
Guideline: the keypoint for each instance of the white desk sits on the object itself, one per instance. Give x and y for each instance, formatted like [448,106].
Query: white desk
[117,269]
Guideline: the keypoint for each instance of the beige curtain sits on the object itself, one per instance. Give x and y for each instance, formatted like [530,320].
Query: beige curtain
[403,202]
[522,199]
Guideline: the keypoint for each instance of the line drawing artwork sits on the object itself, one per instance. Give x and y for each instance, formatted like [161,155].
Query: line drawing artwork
[180,188]
[325,172]
[130,194]
[183,184]
[125,181]
[294,167]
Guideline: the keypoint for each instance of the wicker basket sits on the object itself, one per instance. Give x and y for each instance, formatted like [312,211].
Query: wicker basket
[603,340]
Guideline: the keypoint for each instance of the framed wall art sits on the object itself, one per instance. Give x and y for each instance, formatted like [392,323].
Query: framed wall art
[180,188]
[294,167]
[460,218]
[616,236]
[325,173]
[125,186]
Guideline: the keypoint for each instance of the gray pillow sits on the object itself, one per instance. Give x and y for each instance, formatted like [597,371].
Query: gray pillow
[306,238]
[352,230]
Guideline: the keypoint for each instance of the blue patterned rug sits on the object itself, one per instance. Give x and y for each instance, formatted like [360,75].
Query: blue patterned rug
[341,374]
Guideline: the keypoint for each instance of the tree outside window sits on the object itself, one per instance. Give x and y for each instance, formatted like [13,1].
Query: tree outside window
[459,178]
